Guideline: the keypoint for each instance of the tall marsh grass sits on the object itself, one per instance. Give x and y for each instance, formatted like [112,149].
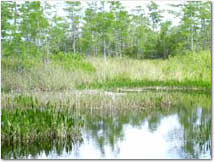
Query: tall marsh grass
[28,123]
[74,72]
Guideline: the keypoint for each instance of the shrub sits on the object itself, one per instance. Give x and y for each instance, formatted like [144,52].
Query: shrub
[72,61]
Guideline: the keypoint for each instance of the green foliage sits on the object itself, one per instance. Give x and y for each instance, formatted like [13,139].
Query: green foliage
[31,28]
[74,71]
[131,52]
[117,83]
[23,63]
[44,51]
[122,77]
[29,123]
[191,64]
[177,71]
[72,62]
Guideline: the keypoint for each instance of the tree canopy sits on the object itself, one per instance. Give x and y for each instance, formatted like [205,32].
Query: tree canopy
[103,28]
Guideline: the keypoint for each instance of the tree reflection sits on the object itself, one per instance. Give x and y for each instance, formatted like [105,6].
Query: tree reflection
[196,123]
[107,127]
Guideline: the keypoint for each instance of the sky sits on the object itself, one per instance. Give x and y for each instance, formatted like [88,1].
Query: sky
[129,5]
[163,5]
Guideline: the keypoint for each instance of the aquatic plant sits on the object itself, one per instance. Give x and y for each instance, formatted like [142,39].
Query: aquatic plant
[54,120]
[30,124]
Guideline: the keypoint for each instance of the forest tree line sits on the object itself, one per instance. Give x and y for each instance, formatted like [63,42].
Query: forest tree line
[103,29]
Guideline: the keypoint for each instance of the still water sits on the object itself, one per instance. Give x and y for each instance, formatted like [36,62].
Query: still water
[181,132]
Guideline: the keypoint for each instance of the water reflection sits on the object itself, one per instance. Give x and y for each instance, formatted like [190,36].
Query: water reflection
[181,132]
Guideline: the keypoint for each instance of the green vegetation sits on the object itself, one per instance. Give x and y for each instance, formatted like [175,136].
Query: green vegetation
[34,122]
[104,28]
[72,62]
[67,101]
[34,117]
[75,72]
[32,150]
[54,66]
[26,123]
[103,45]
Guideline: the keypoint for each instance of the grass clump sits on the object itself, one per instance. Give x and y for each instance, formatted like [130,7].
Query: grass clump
[117,83]
[189,70]
[73,71]
[58,74]
[72,62]
[20,63]
[29,125]
[68,101]
[192,66]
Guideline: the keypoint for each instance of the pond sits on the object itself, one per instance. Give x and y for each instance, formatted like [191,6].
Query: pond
[179,131]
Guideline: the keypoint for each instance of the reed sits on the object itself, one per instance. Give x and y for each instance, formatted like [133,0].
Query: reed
[64,73]
[31,124]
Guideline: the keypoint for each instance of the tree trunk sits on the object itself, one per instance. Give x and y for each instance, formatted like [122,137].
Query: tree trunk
[192,36]
[74,44]
[104,49]
[192,42]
